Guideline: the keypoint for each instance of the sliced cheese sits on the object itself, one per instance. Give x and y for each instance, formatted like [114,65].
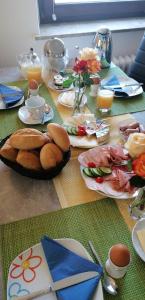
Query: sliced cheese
[141,237]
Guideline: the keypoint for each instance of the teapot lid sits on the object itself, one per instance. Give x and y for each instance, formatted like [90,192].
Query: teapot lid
[54,47]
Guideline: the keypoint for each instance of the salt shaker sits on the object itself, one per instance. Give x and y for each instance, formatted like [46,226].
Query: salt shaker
[95,86]
[118,261]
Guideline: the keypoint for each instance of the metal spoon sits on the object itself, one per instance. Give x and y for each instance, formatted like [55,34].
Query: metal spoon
[47,111]
[108,282]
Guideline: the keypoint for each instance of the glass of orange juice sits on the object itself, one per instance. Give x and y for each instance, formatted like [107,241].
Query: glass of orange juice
[35,72]
[105,100]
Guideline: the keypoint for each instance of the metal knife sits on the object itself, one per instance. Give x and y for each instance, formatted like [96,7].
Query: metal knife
[115,86]
[60,284]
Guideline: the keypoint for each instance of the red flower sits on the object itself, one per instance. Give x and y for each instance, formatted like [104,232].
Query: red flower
[80,66]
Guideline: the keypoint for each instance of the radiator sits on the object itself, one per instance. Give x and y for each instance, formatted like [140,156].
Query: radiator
[124,62]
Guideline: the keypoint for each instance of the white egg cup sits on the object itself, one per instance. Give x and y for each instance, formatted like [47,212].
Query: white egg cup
[115,271]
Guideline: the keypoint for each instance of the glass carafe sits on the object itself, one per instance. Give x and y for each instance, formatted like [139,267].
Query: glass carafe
[30,66]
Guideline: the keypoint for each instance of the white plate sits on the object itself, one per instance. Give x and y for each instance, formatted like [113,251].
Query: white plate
[25,116]
[136,244]
[52,86]
[2,104]
[19,286]
[131,90]
[105,188]
[84,142]
[62,99]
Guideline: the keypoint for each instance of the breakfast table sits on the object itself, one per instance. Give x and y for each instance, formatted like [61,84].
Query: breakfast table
[64,207]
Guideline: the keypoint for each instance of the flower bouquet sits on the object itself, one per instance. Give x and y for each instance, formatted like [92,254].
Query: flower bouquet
[86,69]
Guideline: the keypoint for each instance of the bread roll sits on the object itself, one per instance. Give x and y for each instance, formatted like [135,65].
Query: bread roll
[55,150]
[29,159]
[47,157]
[59,136]
[28,139]
[8,152]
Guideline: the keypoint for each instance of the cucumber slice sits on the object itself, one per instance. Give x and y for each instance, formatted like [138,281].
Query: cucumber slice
[96,172]
[105,170]
[74,131]
[70,130]
[87,172]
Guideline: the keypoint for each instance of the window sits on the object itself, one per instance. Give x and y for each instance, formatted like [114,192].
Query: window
[83,10]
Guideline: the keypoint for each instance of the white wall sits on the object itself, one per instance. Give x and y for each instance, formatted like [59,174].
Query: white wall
[19,25]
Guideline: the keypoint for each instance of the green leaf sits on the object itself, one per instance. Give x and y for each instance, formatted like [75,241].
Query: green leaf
[67,83]
[129,165]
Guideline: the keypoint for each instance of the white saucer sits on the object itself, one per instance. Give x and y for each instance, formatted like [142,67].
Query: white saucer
[3,105]
[62,99]
[136,244]
[26,117]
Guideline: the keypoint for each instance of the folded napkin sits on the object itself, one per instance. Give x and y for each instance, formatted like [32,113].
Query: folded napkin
[64,263]
[119,91]
[9,95]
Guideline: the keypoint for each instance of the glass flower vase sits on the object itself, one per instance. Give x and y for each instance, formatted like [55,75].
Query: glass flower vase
[79,101]
[137,207]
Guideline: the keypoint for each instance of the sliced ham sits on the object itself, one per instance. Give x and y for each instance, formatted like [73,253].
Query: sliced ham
[117,154]
[119,180]
[97,155]
[102,156]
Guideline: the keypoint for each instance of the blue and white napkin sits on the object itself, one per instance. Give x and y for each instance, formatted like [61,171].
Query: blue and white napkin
[119,90]
[63,263]
[10,96]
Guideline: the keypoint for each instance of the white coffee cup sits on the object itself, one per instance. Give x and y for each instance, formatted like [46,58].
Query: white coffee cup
[36,107]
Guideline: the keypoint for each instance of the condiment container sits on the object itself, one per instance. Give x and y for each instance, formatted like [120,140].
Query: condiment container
[95,85]
[118,261]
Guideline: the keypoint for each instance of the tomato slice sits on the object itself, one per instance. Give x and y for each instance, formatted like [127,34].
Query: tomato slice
[99,179]
[91,164]
[81,132]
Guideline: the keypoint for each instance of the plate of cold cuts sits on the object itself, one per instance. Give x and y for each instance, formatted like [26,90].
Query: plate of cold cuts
[106,169]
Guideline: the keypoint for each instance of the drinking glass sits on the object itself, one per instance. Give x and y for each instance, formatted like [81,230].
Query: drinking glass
[104,100]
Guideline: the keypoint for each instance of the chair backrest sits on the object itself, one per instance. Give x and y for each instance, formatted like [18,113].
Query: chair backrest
[137,69]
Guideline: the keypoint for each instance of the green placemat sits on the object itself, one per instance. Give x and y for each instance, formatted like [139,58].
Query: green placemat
[9,121]
[98,221]
[120,105]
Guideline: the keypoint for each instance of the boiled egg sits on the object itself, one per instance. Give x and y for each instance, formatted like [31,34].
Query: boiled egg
[120,255]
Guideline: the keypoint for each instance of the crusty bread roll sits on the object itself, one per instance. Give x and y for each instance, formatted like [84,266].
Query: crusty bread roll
[55,150]
[28,139]
[7,151]
[59,136]
[29,159]
[47,157]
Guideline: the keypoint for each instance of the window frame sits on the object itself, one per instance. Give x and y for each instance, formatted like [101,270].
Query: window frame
[101,10]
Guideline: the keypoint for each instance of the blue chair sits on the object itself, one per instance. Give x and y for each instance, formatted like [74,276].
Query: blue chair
[137,69]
